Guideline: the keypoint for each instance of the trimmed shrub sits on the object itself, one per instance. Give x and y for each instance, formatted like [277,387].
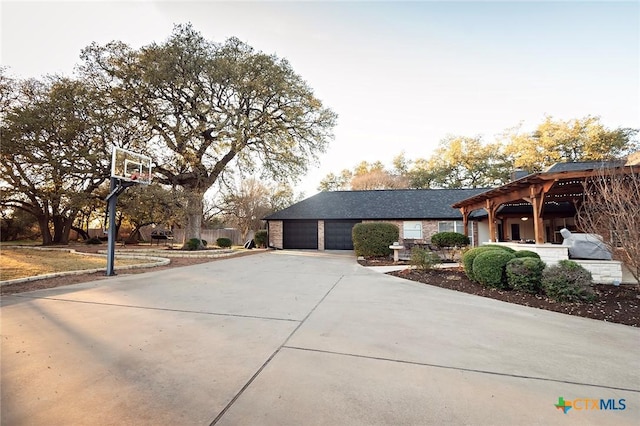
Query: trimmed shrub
[526,253]
[489,268]
[424,259]
[374,239]
[525,274]
[469,256]
[261,237]
[567,282]
[94,240]
[223,242]
[505,248]
[449,239]
[449,244]
[194,244]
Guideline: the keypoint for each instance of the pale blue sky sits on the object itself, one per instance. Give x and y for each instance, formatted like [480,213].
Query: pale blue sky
[401,75]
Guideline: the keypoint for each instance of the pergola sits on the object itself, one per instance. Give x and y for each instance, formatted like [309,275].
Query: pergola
[563,182]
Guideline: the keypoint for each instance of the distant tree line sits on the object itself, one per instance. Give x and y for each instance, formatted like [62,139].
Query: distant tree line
[470,162]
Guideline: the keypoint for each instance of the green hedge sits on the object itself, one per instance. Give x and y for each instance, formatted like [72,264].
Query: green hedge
[489,268]
[525,274]
[374,239]
[194,244]
[527,253]
[505,248]
[449,239]
[223,242]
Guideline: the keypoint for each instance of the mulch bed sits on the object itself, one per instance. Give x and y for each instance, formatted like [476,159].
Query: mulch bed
[613,304]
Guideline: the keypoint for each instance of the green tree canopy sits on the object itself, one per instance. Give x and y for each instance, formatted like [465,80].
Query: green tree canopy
[208,106]
[464,162]
[56,139]
[582,139]
[469,162]
[144,205]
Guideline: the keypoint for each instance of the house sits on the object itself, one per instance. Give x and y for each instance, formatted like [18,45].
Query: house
[532,208]
[325,220]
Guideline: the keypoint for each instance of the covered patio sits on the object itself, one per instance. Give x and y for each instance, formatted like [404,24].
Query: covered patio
[548,200]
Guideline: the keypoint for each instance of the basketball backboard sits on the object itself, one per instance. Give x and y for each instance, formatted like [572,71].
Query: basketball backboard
[130,166]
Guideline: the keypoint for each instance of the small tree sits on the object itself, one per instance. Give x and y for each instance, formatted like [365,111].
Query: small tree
[610,209]
[424,259]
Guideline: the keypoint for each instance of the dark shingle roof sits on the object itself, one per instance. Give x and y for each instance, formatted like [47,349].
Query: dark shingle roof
[380,204]
[583,165]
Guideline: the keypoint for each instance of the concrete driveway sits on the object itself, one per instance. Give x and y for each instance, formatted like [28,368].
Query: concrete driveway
[303,338]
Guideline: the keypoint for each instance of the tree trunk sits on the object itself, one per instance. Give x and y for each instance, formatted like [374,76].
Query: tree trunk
[135,236]
[193,212]
[83,234]
[43,224]
[62,229]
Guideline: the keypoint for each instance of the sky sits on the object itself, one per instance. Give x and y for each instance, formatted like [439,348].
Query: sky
[402,76]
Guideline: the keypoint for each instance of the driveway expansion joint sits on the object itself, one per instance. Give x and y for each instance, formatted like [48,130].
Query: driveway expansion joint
[268,361]
[449,367]
[151,308]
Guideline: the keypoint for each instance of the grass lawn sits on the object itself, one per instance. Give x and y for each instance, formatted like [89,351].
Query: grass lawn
[21,263]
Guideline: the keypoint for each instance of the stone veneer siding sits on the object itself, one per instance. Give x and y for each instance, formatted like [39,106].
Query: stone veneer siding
[275,234]
[321,235]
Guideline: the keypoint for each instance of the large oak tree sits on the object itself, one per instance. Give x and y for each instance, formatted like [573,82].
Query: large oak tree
[210,106]
[56,139]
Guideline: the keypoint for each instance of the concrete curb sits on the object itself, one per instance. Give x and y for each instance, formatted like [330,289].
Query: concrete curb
[178,253]
[162,260]
[158,261]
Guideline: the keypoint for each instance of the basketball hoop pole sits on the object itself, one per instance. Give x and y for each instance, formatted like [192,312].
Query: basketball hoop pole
[111,243]
[117,187]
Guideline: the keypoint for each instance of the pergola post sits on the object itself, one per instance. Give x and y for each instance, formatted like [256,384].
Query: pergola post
[538,225]
[536,198]
[491,210]
[465,219]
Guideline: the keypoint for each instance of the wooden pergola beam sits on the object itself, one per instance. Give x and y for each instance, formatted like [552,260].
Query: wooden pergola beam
[534,189]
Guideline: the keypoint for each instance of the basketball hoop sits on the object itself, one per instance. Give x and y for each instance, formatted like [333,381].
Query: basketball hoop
[128,168]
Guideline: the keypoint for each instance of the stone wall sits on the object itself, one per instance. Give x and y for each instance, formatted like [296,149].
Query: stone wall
[603,271]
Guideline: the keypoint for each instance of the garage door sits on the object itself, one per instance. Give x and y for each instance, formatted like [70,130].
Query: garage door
[300,234]
[337,234]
